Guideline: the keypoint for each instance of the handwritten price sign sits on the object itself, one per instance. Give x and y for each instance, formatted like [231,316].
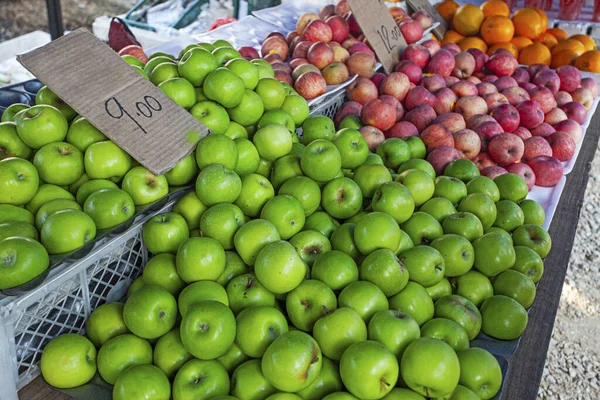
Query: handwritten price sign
[380,29]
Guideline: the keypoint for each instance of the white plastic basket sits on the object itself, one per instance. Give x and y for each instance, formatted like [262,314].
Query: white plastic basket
[64,302]
[329,105]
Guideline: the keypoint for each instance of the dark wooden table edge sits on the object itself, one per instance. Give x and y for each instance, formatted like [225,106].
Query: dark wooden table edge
[527,364]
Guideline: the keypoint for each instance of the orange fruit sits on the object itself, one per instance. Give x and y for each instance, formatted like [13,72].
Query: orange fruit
[495,7]
[452,37]
[535,53]
[497,29]
[589,61]
[586,41]
[467,20]
[558,33]
[571,44]
[563,57]
[544,18]
[447,9]
[508,46]
[527,23]
[547,39]
[472,42]
[521,42]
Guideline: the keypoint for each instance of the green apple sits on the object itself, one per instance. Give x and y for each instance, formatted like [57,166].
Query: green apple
[343,240]
[365,298]
[74,187]
[516,285]
[200,291]
[321,160]
[224,54]
[440,289]
[142,382]
[120,353]
[422,228]
[47,96]
[18,229]
[480,372]
[67,230]
[245,291]
[236,131]
[394,329]
[264,167]
[418,150]
[141,71]
[196,64]
[419,183]
[328,381]
[233,358]
[11,144]
[183,172]
[137,284]
[414,301]
[482,206]
[484,185]
[511,187]
[224,87]
[134,62]
[528,262]
[234,266]
[338,330]
[59,163]
[297,107]
[317,127]
[53,206]
[351,122]
[369,369]
[208,329]
[310,244]
[11,213]
[533,212]
[180,90]
[280,117]
[305,190]
[394,152]
[108,207]
[402,393]
[394,199]
[457,252]
[463,169]
[106,160]
[279,267]
[92,186]
[494,253]
[465,224]
[352,146]
[248,157]
[340,396]
[150,312]
[292,362]
[503,318]
[439,208]
[417,163]
[473,286]
[211,114]
[336,269]
[261,62]
[8,115]
[460,310]
[248,382]
[162,72]
[499,230]
[21,259]
[68,361]
[19,181]
[257,327]
[164,233]
[272,141]
[221,222]
[256,192]
[308,302]
[272,93]
[369,177]
[252,237]
[105,323]
[376,230]
[342,198]
[384,269]
[207,46]
[200,259]
[201,379]
[46,193]
[249,110]
[509,215]
[534,237]
[245,70]
[218,184]
[425,265]
[448,331]
[450,188]
[162,271]
[285,168]
[430,367]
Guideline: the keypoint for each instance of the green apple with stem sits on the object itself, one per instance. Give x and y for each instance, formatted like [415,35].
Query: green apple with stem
[352,146]
[252,237]
[425,264]
[234,266]
[474,286]
[308,302]
[106,160]
[248,382]
[218,184]
[19,181]
[448,331]
[394,329]
[321,160]
[376,230]
[460,310]
[205,379]
[279,267]
[248,157]
[245,291]
[67,230]
[317,127]
[336,269]
[11,144]
[109,207]
[480,372]
[9,113]
[369,177]
[422,228]
[120,353]
[68,361]
[142,381]
[328,381]
[394,152]
[534,237]
[494,253]
[419,183]
[164,233]
[465,224]
[439,208]
[305,190]
[150,312]
[211,114]
[196,64]
[528,262]
[200,258]
[256,192]
[384,269]
[414,301]
[365,298]
[395,199]
[339,329]
[310,244]
[342,198]
[180,90]
[272,141]
[482,206]
[59,163]
[450,188]
[21,259]
[200,291]
[221,222]
[105,323]
[48,97]
[516,285]
[457,252]
[257,327]
[208,329]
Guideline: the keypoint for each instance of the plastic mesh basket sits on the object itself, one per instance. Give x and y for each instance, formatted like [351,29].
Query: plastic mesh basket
[329,106]
[63,303]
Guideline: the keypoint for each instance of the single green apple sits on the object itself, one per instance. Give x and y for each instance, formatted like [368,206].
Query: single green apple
[221,222]
[480,372]
[528,262]
[419,183]
[19,181]
[120,353]
[257,327]
[256,191]
[308,302]
[460,310]
[105,323]
[474,286]
[21,259]
[68,361]
[365,298]
[252,237]
[199,259]
[448,331]
[494,253]
[279,267]
[142,381]
[534,237]
[150,312]
[422,228]
[208,329]
[67,230]
[164,233]
[201,379]
[394,329]
[245,291]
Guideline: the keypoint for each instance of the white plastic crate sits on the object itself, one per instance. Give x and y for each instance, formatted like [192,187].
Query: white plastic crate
[329,105]
[64,302]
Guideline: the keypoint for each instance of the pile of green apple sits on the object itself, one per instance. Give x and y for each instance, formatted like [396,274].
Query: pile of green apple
[314,269]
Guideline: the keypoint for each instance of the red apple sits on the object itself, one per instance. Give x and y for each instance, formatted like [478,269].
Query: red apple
[348,108]
[484,88]
[453,48]
[527,86]
[590,83]
[502,51]
[555,116]
[454,122]
[548,79]
[544,97]
[483,160]
[135,51]
[395,84]
[416,53]
[335,73]
[563,145]
[451,80]
[543,130]
[445,101]
[436,135]
[433,82]
[342,8]
[397,12]
[283,76]
[373,136]
[360,47]
[502,64]
[273,58]
[583,96]
[575,111]
[320,55]
[362,90]
[442,63]
[521,75]
[470,105]
[349,42]
[432,46]
[474,79]
[411,30]
[379,114]
[531,113]
[424,19]
[505,82]
[301,69]
[281,66]
[548,170]
[533,69]
[477,119]
[493,171]
[516,95]
[275,45]
[317,31]
[467,142]
[440,157]
[339,28]
[480,58]
[417,96]
[301,49]
[410,69]
[377,78]
[289,38]
[570,77]
[310,85]
[489,78]
[506,148]
[353,25]
[523,133]
[571,127]
[248,52]
[535,146]
[326,11]
[464,65]
[486,131]
[391,100]
[402,129]
[524,171]
[494,100]
[420,116]
[361,64]
[507,116]
[296,62]
[562,98]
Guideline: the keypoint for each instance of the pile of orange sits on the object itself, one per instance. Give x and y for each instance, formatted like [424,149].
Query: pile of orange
[526,35]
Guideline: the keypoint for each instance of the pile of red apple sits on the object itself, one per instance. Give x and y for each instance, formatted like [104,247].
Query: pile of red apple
[328,48]
[506,118]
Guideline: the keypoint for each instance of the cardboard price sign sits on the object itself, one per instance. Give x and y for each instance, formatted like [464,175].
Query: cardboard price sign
[379,27]
[424,5]
[94,80]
